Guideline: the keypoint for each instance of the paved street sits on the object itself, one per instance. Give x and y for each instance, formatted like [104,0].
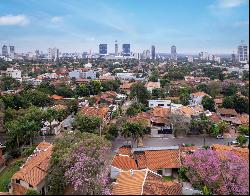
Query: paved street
[171,141]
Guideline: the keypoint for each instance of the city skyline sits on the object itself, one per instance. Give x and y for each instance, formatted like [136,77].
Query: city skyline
[215,26]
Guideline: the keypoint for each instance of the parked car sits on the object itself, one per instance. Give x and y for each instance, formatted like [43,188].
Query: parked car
[219,137]
[247,136]
[234,142]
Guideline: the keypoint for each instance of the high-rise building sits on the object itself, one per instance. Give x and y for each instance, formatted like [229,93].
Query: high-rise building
[12,52]
[126,49]
[190,59]
[116,48]
[173,53]
[153,52]
[53,54]
[5,51]
[242,53]
[103,49]
[233,58]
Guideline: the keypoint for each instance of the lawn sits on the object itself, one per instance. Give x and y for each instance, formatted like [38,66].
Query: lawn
[7,173]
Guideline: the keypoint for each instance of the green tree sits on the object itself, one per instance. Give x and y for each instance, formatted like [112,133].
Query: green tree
[213,88]
[50,115]
[208,103]
[31,192]
[243,129]
[214,130]
[134,109]
[223,126]
[134,130]
[90,124]
[112,132]
[95,87]
[140,92]
[72,106]
[202,87]
[230,90]
[82,90]
[158,93]
[64,91]
[241,139]
[185,96]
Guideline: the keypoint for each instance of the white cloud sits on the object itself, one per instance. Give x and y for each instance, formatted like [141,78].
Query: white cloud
[241,24]
[56,19]
[20,20]
[228,3]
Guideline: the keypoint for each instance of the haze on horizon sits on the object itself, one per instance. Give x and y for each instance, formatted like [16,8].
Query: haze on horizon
[216,26]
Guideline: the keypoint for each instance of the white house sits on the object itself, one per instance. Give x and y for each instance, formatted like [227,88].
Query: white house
[13,73]
[80,74]
[162,103]
[196,98]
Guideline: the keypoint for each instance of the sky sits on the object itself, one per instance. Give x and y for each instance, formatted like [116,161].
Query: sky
[215,26]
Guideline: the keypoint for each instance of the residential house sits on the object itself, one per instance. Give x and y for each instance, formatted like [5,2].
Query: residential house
[143,117]
[101,112]
[242,152]
[229,115]
[126,87]
[196,98]
[34,171]
[13,73]
[160,121]
[218,102]
[126,76]
[163,103]
[152,85]
[144,182]
[162,160]
[244,118]
[106,78]
[82,73]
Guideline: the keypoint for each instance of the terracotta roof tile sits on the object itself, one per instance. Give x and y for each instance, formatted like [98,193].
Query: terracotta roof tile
[129,183]
[144,182]
[199,94]
[242,152]
[159,159]
[35,168]
[160,112]
[157,187]
[93,111]
[124,162]
[56,97]
[153,85]
[125,150]
[227,111]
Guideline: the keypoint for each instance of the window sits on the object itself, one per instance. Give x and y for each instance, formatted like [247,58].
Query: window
[30,186]
[161,104]
[159,172]
[17,181]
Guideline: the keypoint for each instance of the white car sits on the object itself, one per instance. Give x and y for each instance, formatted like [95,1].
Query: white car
[219,137]
[234,142]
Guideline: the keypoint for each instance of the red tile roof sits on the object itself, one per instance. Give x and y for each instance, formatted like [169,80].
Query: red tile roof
[159,159]
[35,168]
[227,111]
[144,182]
[124,162]
[93,111]
[125,150]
